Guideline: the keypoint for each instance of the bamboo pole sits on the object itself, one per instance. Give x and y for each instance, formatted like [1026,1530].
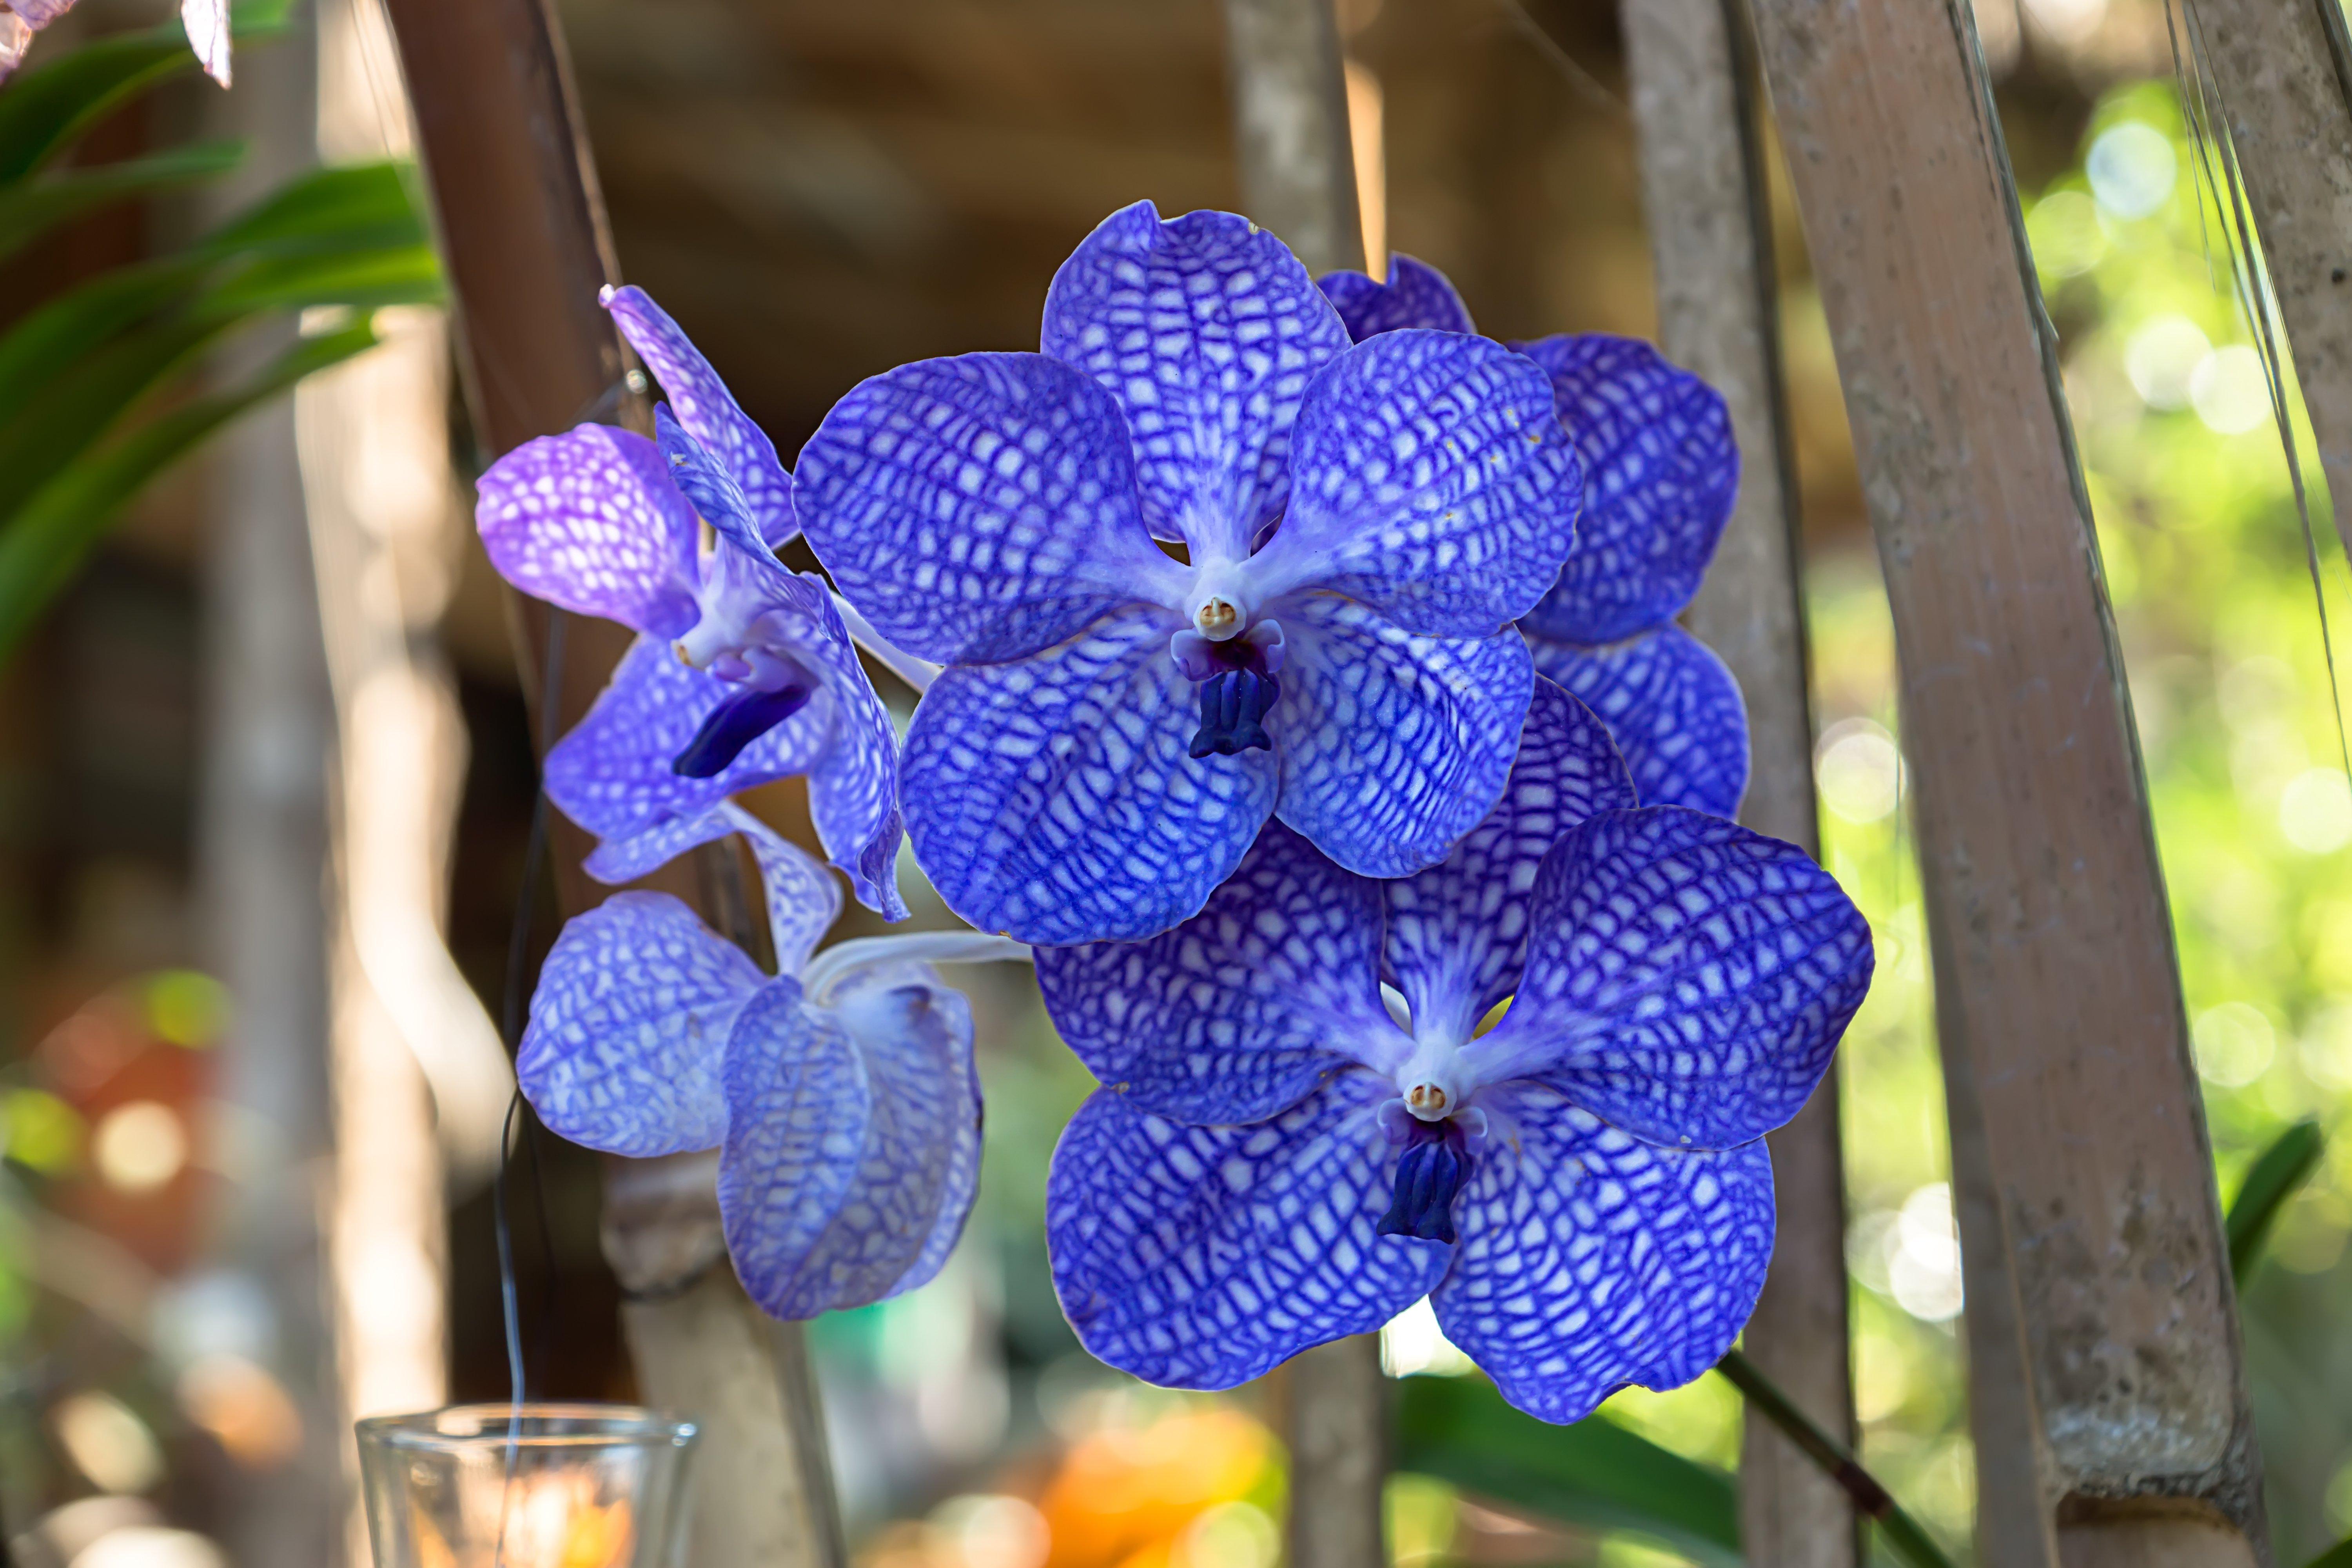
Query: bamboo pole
[1298,179]
[1691,65]
[2280,67]
[2105,1376]
[523,232]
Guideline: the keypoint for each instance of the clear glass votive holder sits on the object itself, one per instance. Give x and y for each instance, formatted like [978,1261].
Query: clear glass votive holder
[527,1486]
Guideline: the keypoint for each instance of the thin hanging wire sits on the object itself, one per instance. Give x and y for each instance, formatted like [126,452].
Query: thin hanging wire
[2207,113]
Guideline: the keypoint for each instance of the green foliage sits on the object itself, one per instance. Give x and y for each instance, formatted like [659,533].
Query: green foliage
[98,388]
[2336,1556]
[2277,1174]
[1595,1473]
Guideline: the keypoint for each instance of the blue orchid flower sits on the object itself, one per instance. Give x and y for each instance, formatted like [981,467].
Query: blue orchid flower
[742,671]
[1360,526]
[1276,1160]
[840,1093]
[1661,472]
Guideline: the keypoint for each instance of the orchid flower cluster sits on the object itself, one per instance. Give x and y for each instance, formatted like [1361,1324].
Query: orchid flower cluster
[1300,691]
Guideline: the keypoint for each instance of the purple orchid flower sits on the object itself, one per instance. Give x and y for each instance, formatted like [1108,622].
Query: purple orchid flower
[1274,1161]
[1661,473]
[1360,527]
[206,22]
[742,670]
[840,1093]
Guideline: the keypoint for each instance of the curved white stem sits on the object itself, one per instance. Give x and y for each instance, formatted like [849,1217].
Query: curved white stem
[829,968]
[917,673]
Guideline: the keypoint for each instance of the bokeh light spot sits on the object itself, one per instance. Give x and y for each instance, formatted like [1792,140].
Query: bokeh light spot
[139,1146]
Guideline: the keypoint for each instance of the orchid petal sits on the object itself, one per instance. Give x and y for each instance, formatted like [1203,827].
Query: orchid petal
[1052,799]
[1416,295]
[1687,979]
[708,409]
[612,774]
[852,1144]
[1661,472]
[1393,745]
[1429,479]
[206,25]
[1207,330]
[1457,933]
[1202,1257]
[713,490]
[1590,1259]
[1238,1012]
[803,901]
[980,509]
[628,1025]
[1672,708]
[854,789]
[589,520]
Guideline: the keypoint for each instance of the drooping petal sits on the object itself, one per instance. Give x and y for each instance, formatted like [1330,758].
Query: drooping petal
[854,789]
[1687,979]
[1429,479]
[1416,295]
[1202,1257]
[1238,1012]
[1457,933]
[206,22]
[1207,330]
[628,1025]
[705,481]
[1672,708]
[1590,1259]
[852,1144]
[980,509]
[803,901]
[1393,745]
[709,410]
[1661,472]
[1053,798]
[589,520]
[612,773]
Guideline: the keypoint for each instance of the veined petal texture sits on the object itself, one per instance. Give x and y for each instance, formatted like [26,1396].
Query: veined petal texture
[1238,1012]
[708,409]
[1457,933]
[1202,1257]
[1661,472]
[980,508]
[1416,295]
[1687,979]
[628,1026]
[1207,330]
[853,791]
[852,1146]
[803,899]
[611,774]
[1590,1259]
[1393,745]
[589,520]
[1672,706]
[1430,479]
[1053,799]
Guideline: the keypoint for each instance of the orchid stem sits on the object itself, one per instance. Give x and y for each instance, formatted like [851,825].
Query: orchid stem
[1903,1533]
[917,673]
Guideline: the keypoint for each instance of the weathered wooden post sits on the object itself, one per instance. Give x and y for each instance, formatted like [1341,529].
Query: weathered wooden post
[522,229]
[2279,67]
[1298,179]
[1691,65]
[2106,1379]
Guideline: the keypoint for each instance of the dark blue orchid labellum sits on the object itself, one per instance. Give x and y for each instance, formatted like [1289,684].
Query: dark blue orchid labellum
[739,719]
[1429,1172]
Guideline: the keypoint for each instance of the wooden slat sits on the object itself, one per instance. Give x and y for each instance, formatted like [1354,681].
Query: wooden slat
[523,234]
[2105,1363]
[1290,128]
[2277,64]
[1690,65]
[1298,179]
